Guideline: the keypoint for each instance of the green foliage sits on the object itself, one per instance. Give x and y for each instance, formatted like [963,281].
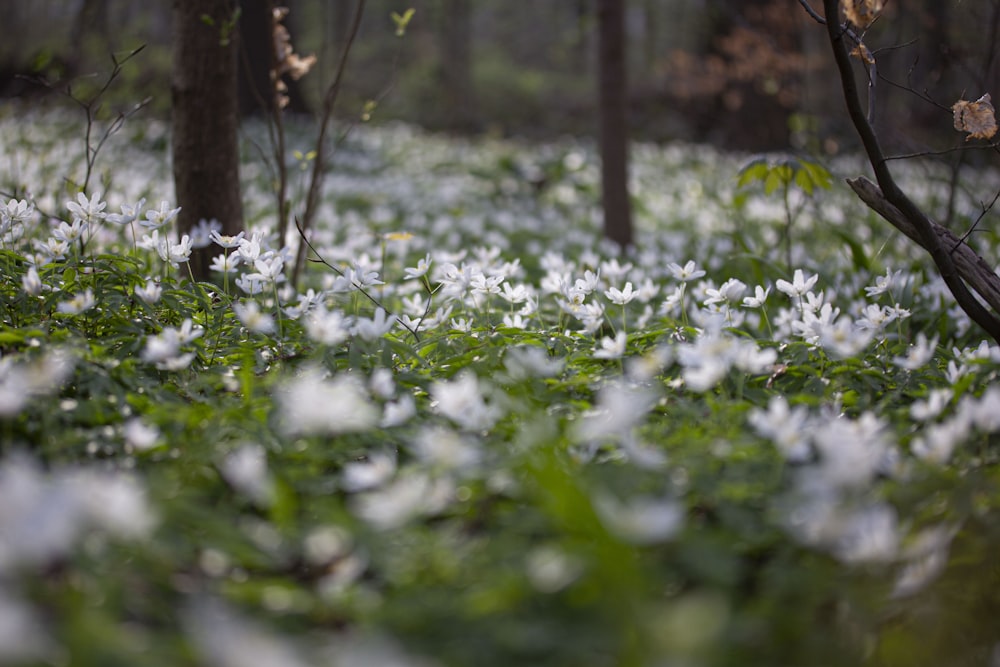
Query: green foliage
[547,500]
[402,20]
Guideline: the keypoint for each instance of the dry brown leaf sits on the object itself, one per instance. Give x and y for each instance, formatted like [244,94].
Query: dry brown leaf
[862,53]
[977,118]
[862,12]
[286,60]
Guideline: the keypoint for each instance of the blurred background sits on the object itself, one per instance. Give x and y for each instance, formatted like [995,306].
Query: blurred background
[740,74]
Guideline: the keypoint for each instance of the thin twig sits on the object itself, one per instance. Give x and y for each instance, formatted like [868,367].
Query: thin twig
[812,12]
[986,209]
[358,286]
[319,162]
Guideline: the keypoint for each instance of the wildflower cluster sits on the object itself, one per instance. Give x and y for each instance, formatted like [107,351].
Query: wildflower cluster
[474,428]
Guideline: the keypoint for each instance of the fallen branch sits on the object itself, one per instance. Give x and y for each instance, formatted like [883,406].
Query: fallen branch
[971,268]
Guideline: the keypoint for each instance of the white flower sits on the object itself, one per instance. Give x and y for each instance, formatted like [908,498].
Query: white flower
[932,406]
[376,327]
[883,284]
[165,345]
[461,400]
[87,210]
[799,285]
[128,213]
[175,253]
[250,248]
[245,469]
[15,212]
[328,327]
[225,241]
[423,266]
[621,296]
[158,217]
[612,348]
[52,248]
[483,284]
[784,426]
[139,435]
[253,318]
[919,355]
[398,412]
[589,282]
[875,317]
[151,293]
[80,303]
[937,442]
[46,513]
[70,233]
[517,294]
[189,332]
[852,451]
[526,361]
[361,278]
[442,448]
[268,268]
[201,233]
[687,273]
[673,300]
[841,339]
[641,520]
[375,469]
[869,535]
[729,292]
[515,321]
[32,282]
[618,408]
[613,270]
[23,638]
[249,284]
[20,382]
[758,299]
[222,638]
[310,404]
[408,497]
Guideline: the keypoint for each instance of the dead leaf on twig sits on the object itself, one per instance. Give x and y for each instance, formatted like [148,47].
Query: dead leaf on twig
[977,118]
[862,13]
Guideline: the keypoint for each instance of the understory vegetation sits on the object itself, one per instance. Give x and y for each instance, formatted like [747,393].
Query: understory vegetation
[477,434]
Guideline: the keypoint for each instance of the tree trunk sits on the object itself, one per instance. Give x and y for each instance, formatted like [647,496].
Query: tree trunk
[256,59]
[612,104]
[206,120]
[456,65]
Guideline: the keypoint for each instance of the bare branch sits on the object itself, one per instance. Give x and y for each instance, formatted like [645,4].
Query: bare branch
[812,12]
[319,162]
[986,209]
[928,238]
[970,266]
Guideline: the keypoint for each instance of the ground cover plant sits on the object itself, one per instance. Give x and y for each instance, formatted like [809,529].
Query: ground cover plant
[477,434]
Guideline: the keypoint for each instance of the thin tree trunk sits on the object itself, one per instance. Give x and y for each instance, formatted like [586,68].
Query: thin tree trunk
[456,64]
[206,120]
[613,112]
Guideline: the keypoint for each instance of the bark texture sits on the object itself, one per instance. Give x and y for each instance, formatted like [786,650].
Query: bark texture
[205,119]
[613,113]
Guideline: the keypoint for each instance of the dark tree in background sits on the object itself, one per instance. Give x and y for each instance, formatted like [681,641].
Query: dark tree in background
[456,64]
[205,119]
[613,115]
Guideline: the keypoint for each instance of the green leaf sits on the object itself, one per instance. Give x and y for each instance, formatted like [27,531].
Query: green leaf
[858,257]
[402,21]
